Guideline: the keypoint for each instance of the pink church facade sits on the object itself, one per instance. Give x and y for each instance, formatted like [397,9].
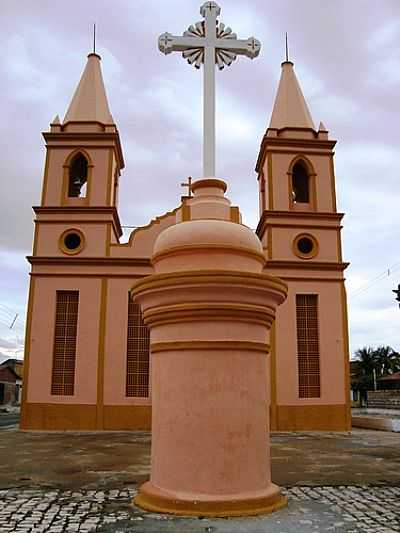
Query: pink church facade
[87,354]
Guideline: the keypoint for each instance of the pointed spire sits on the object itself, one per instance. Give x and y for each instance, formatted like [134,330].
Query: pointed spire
[89,103]
[290,108]
[322,127]
[56,120]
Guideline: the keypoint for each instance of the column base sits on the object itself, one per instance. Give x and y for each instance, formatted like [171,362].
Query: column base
[154,499]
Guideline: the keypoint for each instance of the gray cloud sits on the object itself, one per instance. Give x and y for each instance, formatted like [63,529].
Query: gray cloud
[347,58]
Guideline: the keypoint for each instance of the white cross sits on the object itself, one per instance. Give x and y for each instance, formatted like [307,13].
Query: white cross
[209,42]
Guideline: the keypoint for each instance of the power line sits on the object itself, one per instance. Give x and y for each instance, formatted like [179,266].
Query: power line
[366,286]
[8,324]
[12,317]
[7,310]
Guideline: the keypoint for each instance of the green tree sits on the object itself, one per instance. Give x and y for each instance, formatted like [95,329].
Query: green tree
[387,361]
[382,360]
[363,378]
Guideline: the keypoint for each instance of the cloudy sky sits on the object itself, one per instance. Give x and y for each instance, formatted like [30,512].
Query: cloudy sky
[347,59]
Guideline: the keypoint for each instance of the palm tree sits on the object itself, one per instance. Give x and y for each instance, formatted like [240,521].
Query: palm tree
[381,361]
[364,379]
[387,361]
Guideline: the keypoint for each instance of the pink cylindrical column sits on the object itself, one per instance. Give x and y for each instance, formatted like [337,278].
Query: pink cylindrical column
[209,309]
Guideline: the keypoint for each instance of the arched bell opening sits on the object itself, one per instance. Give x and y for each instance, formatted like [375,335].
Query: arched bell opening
[300,183]
[78,176]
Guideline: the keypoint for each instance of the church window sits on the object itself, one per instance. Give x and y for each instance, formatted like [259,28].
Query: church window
[300,183]
[308,345]
[78,173]
[138,348]
[72,241]
[305,246]
[263,203]
[64,350]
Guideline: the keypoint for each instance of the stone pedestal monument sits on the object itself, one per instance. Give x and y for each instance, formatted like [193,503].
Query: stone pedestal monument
[209,309]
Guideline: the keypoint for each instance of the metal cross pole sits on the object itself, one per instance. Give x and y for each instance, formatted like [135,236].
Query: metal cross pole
[209,42]
[188,185]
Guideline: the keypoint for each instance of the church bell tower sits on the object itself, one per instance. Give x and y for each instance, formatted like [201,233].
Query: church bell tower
[83,164]
[300,231]
[76,225]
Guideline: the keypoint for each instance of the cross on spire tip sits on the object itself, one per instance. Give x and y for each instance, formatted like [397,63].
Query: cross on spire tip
[210,7]
[207,43]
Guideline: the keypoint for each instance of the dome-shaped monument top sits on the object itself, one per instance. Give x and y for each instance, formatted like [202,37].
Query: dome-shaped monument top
[209,42]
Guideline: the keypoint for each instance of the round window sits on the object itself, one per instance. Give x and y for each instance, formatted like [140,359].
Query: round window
[71,241]
[305,246]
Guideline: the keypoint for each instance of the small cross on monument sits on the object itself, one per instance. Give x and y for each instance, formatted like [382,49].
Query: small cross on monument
[209,42]
[188,185]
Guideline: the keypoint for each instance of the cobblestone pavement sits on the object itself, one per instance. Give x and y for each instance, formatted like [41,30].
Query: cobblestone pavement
[325,508]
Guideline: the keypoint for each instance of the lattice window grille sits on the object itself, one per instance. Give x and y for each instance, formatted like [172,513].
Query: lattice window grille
[64,350]
[138,348]
[308,355]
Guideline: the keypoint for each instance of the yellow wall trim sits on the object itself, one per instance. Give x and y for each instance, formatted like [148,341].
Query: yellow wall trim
[25,381]
[209,345]
[195,312]
[310,265]
[190,248]
[312,418]
[186,215]
[346,352]
[56,416]
[101,353]
[270,183]
[225,277]
[79,417]
[300,254]
[127,417]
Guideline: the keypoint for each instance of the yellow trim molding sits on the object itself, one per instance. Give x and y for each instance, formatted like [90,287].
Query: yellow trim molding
[64,235]
[81,209]
[272,378]
[157,501]
[127,417]
[346,353]
[299,253]
[314,265]
[189,248]
[45,178]
[312,182]
[84,200]
[197,311]
[101,353]
[27,349]
[235,214]
[314,417]
[270,183]
[208,182]
[73,417]
[223,277]
[209,345]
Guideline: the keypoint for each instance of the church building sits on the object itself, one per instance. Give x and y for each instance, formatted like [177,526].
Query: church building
[87,351]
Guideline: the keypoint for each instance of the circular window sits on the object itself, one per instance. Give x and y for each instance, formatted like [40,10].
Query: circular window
[71,241]
[305,246]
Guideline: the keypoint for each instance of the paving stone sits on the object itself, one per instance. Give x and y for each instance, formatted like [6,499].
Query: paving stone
[345,508]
